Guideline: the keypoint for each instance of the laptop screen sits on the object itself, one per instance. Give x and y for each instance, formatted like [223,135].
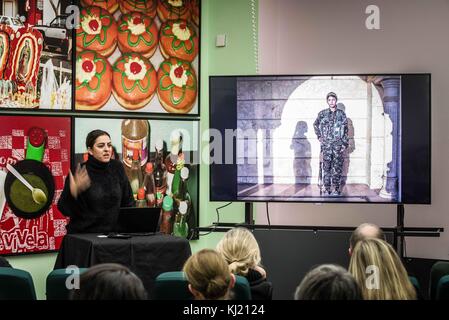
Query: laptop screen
[138,220]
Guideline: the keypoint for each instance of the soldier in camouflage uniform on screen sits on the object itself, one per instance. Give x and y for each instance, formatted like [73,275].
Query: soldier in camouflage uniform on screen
[331,128]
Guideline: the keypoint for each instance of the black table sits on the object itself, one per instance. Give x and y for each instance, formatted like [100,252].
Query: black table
[146,256]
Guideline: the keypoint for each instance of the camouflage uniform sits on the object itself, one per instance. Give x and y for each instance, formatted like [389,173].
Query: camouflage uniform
[331,129]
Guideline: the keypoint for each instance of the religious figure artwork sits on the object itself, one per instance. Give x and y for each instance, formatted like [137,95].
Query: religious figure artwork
[24,59]
[23,66]
[19,79]
[5,33]
[33,75]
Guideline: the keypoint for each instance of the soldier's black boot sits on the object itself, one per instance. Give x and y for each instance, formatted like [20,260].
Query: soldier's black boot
[336,192]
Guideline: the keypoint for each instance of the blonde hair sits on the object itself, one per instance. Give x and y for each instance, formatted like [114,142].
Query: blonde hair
[240,250]
[394,283]
[207,272]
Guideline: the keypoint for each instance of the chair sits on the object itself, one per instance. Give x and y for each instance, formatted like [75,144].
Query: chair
[415,282]
[171,286]
[417,286]
[242,290]
[174,286]
[443,289]
[438,271]
[16,284]
[56,288]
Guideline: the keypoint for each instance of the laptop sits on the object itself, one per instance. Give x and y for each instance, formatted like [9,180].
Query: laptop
[138,221]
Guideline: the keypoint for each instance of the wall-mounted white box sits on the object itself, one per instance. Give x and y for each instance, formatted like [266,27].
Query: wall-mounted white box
[220,40]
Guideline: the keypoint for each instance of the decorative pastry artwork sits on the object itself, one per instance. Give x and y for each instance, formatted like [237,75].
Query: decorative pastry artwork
[152,46]
[174,10]
[97,31]
[92,81]
[134,81]
[147,7]
[109,5]
[137,33]
[179,40]
[195,8]
[177,86]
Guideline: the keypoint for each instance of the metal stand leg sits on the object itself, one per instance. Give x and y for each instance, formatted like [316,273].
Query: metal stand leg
[399,237]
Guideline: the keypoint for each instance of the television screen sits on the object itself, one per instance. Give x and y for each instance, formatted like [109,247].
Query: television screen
[320,138]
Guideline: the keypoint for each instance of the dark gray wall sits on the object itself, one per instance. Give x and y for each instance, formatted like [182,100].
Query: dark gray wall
[288,255]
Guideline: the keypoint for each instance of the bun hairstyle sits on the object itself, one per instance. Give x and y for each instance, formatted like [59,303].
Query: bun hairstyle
[240,250]
[208,273]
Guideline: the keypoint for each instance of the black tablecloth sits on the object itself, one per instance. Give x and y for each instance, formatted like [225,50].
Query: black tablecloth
[146,256]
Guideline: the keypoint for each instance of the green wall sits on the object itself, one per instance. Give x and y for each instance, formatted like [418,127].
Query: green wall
[39,265]
[233,18]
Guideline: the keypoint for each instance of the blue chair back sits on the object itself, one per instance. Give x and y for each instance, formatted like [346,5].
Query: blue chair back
[415,282]
[171,286]
[438,271]
[16,284]
[56,288]
[442,292]
[174,286]
[242,289]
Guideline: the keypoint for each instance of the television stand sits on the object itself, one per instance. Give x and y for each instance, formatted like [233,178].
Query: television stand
[399,231]
[402,231]
[399,238]
[249,213]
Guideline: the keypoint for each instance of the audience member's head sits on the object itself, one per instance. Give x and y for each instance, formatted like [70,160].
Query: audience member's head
[240,250]
[380,272]
[328,282]
[365,231]
[208,276]
[109,281]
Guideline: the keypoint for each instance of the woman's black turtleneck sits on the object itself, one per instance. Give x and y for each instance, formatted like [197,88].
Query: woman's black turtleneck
[96,209]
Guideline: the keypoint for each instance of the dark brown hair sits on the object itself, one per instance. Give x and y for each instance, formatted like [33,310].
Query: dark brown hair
[328,282]
[93,135]
[109,281]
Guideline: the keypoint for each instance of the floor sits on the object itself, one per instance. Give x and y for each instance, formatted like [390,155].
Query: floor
[307,192]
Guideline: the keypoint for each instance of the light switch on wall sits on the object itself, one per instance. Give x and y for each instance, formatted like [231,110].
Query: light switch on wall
[220,40]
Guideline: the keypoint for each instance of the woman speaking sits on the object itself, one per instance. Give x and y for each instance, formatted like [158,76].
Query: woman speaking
[93,195]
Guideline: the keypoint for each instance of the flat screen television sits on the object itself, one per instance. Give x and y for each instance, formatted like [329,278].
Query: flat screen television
[321,138]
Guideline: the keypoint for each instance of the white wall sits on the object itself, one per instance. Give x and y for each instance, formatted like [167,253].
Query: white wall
[328,36]
[49,13]
[9,8]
